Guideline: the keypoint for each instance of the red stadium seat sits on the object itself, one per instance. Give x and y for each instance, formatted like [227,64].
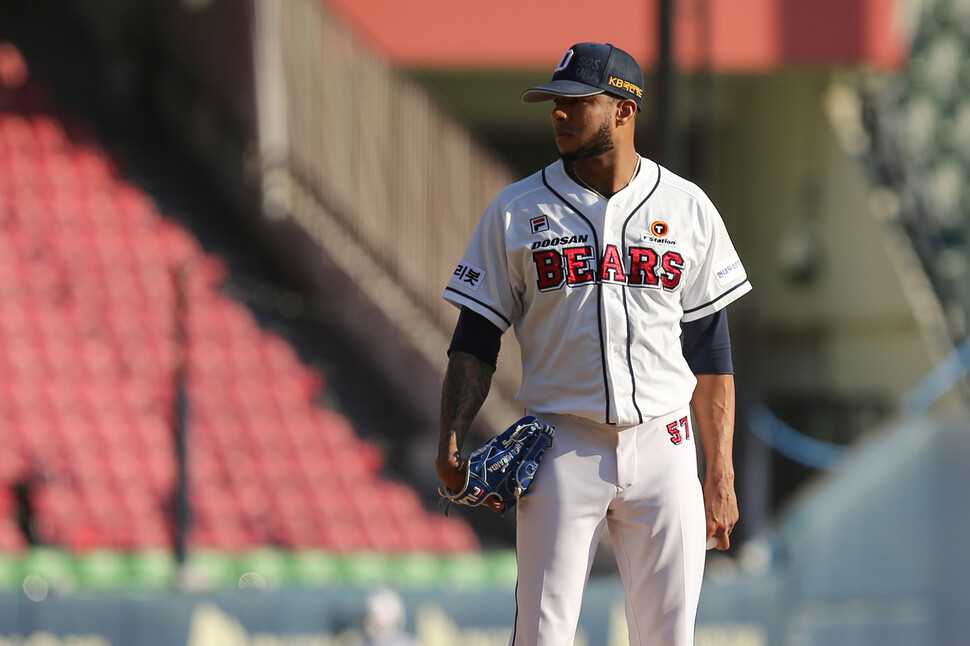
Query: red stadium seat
[12,540]
[89,348]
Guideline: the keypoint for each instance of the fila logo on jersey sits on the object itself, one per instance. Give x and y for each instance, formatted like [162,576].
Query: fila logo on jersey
[572,266]
[538,224]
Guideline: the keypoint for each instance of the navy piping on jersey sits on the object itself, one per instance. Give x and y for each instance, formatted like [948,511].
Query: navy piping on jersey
[599,286]
[475,300]
[515,595]
[711,302]
[626,310]
[629,360]
[599,301]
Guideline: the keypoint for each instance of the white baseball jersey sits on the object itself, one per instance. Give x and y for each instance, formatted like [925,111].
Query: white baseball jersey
[597,289]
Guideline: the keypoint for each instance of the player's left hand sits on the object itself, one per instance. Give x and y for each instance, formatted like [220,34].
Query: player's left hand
[721,506]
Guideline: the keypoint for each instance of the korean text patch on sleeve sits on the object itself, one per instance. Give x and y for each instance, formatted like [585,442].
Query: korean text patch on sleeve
[468,276]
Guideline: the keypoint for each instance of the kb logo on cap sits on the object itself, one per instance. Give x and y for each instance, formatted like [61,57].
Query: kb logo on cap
[625,85]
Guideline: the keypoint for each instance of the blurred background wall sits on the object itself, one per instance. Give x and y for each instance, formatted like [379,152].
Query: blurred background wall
[318,168]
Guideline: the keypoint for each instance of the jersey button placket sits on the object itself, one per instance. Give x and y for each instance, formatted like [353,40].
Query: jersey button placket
[614,326]
[617,327]
[615,343]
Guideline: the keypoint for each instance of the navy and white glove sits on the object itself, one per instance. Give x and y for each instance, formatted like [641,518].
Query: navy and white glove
[503,466]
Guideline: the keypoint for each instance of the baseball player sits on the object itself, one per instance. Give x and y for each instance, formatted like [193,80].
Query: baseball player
[615,274]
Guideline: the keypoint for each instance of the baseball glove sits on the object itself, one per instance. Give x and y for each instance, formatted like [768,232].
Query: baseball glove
[504,465]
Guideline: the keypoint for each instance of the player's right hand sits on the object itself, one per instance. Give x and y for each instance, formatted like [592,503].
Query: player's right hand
[721,505]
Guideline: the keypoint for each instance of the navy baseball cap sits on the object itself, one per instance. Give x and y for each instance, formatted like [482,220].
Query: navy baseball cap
[592,68]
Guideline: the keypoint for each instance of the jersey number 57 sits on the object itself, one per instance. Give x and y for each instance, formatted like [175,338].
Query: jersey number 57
[679,430]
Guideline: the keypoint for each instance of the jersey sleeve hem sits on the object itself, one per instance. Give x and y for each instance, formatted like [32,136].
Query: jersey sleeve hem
[718,303]
[459,299]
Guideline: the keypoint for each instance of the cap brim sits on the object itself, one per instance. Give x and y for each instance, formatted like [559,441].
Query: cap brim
[553,89]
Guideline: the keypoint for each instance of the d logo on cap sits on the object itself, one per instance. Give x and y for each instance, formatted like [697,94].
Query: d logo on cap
[564,63]
[587,69]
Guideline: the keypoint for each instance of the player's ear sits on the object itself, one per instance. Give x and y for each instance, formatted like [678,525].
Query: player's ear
[626,111]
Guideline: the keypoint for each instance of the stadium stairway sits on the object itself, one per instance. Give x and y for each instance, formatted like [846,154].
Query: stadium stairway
[107,310]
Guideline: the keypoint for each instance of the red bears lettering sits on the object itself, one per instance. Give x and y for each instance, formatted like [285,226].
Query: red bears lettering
[549,267]
[574,266]
[612,267]
[578,265]
[673,269]
[643,266]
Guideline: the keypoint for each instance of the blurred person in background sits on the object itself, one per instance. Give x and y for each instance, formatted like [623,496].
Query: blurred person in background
[384,620]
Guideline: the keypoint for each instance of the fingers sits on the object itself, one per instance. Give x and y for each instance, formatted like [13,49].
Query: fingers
[719,531]
[494,503]
[718,536]
[451,472]
[722,514]
[454,483]
[721,541]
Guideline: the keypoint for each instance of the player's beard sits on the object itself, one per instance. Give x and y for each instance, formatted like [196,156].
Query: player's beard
[601,143]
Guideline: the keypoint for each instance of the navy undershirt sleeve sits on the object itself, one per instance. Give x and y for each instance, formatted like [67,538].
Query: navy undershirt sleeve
[707,345]
[707,342]
[477,336]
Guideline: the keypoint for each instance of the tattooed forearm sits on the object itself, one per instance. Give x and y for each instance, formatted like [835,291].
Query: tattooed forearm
[466,385]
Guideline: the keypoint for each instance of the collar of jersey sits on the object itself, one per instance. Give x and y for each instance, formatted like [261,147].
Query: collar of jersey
[645,172]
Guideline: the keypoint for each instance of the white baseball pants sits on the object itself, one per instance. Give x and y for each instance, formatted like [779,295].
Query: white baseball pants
[641,482]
